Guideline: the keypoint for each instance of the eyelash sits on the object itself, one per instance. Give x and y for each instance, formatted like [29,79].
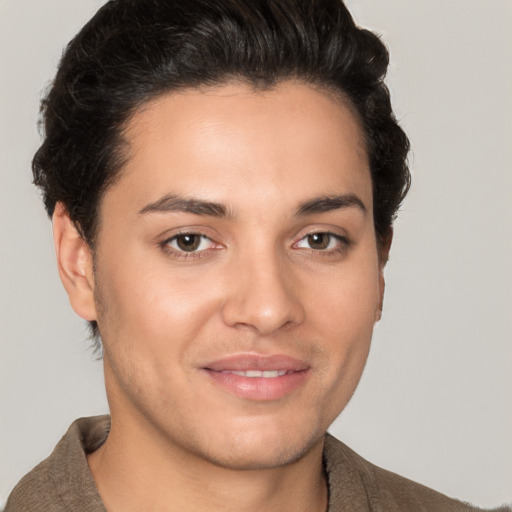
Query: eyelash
[182,254]
[343,243]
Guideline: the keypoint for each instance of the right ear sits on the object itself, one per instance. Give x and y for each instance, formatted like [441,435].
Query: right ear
[75,264]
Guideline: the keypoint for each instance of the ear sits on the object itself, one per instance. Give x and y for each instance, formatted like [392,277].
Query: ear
[383,250]
[75,264]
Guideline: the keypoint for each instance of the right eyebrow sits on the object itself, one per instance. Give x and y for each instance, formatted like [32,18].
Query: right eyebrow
[324,204]
[174,203]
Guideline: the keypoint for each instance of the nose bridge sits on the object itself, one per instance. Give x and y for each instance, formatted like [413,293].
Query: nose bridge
[261,293]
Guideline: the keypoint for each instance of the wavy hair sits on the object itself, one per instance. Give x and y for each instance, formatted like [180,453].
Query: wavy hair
[131,51]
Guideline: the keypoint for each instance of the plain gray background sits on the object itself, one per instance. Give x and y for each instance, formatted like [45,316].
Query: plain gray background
[435,402]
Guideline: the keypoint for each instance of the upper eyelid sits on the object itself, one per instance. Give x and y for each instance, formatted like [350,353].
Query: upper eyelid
[180,254]
[341,234]
[337,236]
[338,233]
[185,233]
[175,232]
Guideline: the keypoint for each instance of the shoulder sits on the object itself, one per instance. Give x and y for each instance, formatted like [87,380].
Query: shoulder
[383,489]
[63,480]
[36,491]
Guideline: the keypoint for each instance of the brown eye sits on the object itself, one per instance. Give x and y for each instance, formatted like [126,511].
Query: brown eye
[323,242]
[319,241]
[188,243]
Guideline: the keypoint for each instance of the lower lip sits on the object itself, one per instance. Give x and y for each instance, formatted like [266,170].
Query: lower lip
[261,389]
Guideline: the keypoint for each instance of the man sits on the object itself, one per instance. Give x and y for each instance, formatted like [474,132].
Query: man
[222,178]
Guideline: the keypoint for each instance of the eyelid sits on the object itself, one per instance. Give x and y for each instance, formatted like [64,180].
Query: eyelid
[340,235]
[178,253]
[344,241]
[176,237]
[176,231]
[327,229]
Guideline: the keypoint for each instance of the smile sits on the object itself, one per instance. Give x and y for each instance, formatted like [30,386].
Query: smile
[266,374]
[258,377]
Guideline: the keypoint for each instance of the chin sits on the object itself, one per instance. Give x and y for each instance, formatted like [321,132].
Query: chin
[258,450]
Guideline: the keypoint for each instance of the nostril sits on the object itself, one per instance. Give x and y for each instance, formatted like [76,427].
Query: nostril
[263,318]
[261,295]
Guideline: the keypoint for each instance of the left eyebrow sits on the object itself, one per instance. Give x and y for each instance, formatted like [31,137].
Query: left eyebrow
[173,203]
[324,204]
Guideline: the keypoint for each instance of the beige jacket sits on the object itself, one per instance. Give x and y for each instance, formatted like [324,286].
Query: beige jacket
[63,482]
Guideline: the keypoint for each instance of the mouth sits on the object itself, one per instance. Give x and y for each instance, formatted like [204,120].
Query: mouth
[257,377]
[253,374]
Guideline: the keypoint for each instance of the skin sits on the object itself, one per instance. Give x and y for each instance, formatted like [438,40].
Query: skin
[258,284]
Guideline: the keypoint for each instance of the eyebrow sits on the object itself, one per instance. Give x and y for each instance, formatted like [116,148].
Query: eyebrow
[324,204]
[172,203]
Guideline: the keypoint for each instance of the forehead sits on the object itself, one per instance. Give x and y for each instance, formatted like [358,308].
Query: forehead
[234,143]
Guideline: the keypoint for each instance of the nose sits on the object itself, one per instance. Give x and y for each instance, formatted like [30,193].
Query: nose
[262,295]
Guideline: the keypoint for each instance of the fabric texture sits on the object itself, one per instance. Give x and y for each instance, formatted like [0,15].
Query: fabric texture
[64,483]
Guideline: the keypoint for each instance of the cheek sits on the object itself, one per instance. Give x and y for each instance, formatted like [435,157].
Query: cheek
[151,308]
[350,297]
[150,325]
[347,322]
[344,316]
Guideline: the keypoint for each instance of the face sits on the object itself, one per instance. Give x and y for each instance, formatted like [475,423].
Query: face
[237,278]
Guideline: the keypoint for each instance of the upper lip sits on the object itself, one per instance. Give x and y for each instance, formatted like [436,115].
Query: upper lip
[241,362]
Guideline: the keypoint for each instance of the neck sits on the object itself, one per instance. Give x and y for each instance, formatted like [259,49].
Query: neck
[161,476]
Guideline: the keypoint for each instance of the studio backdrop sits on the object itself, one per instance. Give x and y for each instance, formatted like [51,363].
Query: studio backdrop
[435,401]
